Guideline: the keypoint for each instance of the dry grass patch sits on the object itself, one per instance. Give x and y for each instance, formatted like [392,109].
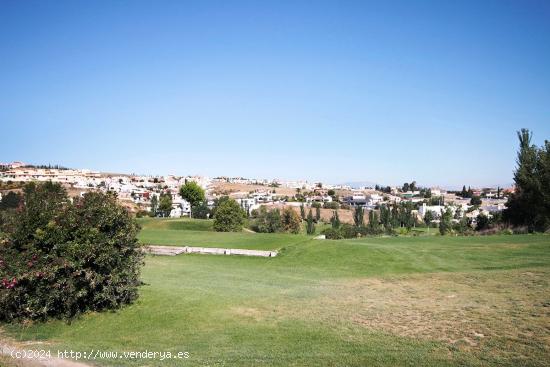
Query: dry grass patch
[501,315]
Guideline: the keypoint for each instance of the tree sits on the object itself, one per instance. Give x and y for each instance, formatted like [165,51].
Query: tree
[405,187]
[358,216]
[303,211]
[428,217]
[11,200]
[291,221]
[192,193]
[335,220]
[331,205]
[165,204]
[529,205]
[318,213]
[201,211]
[482,222]
[266,221]
[229,217]
[154,205]
[217,203]
[475,200]
[445,223]
[64,258]
[310,229]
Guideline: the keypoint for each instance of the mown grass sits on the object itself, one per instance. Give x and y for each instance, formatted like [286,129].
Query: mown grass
[396,301]
[190,232]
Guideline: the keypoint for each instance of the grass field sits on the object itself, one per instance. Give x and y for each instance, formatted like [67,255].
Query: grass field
[431,301]
[188,232]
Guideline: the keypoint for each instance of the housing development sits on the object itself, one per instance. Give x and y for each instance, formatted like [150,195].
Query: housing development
[137,192]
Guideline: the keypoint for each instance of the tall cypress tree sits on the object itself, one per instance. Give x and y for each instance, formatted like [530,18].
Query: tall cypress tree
[310,228]
[529,205]
[318,213]
[358,216]
[335,220]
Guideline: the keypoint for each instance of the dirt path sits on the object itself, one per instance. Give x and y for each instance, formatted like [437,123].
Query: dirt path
[173,251]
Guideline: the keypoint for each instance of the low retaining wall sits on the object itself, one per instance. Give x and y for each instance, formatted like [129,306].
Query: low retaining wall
[173,251]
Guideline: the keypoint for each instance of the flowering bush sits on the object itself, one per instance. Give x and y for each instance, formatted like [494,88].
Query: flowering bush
[61,258]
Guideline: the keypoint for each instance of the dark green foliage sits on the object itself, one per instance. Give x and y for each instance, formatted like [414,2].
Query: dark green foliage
[475,200]
[331,205]
[201,211]
[349,231]
[436,200]
[229,217]
[303,211]
[318,213]
[373,228]
[463,226]
[529,205]
[335,220]
[11,200]
[61,259]
[466,193]
[217,203]
[358,216]
[445,223]
[332,234]
[266,221]
[310,228]
[165,204]
[482,222]
[428,217]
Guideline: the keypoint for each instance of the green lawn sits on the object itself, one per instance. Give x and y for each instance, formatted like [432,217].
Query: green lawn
[189,232]
[400,301]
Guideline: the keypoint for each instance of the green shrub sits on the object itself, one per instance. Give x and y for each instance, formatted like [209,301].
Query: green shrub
[291,221]
[61,259]
[332,234]
[331,205]
[266,221]
[349,231]
[229,217]
[201,211]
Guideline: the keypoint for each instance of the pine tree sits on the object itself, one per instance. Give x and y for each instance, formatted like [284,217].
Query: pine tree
[529,205]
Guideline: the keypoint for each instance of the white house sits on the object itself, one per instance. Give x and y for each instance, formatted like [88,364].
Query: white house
[248,204]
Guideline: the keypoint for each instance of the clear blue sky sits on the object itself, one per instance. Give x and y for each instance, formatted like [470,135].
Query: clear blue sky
[385,91]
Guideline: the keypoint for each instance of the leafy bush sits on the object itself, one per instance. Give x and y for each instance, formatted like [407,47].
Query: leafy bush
[350,231]
[332,234]
[61,259]
[11,200]
[291,221]
[200,211]
[266,221]
[331,205]
[229,217]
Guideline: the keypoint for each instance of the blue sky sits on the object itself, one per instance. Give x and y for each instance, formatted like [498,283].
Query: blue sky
[339,91]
